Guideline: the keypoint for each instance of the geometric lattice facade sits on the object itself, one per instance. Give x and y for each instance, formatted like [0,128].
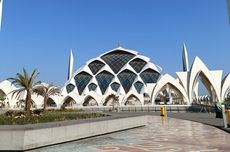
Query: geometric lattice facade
[119,70]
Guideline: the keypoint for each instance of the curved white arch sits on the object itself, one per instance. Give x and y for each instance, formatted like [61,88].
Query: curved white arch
[106,68]
[52,100]
[95,97]
[164,80]
[120,48]
[144,58]
[225,86]
[104,100]
[95,59]
[7,87]
[153,66]
[132,93]
[57,99]
[71,95]
[197,68]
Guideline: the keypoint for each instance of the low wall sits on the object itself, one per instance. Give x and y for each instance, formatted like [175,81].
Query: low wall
[155,108]
[19,138]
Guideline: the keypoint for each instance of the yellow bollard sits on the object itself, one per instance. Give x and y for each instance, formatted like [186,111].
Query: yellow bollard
[163,111]
[228,116]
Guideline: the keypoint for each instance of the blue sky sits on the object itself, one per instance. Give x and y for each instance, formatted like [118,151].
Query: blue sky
[40,33]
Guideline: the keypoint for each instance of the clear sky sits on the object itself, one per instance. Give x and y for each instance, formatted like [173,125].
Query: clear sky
[40,33]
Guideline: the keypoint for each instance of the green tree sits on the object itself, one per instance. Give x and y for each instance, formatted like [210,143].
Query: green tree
[47,90]
[27,84]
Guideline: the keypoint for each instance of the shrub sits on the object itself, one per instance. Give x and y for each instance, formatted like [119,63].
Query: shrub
[13,113]
[37,111]
[9,113]
[20,117]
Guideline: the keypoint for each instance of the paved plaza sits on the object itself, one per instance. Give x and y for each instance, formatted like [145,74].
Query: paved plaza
[162,134]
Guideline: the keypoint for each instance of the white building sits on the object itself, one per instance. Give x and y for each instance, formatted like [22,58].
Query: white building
[124,77]
[134,80]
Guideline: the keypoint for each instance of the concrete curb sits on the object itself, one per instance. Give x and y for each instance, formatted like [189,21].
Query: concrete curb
[32,138]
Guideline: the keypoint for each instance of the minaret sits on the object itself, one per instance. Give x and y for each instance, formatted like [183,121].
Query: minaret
[1,3]
[185,59]
[71,65]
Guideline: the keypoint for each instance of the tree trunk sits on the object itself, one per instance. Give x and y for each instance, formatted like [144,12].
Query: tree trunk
[28,102]
[45,103]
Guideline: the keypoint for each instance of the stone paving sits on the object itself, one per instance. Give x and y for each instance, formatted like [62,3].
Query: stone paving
[162,134]
[205,118]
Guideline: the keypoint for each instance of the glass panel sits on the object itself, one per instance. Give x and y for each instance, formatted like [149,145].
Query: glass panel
[126,78]
[95,66]
[69,88]
[104,79]
[115,86]
[150,76]
[82,79]
[137,64]
[117,59]
[138,85]
[92,87]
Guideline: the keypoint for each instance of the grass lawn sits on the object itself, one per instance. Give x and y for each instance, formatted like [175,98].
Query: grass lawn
[20,118]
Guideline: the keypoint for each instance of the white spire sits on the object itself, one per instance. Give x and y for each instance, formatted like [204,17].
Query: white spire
[71,65]
[1,3]
[185,59]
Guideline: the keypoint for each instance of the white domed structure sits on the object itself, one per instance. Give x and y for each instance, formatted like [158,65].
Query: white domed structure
[121,72]
[122,77]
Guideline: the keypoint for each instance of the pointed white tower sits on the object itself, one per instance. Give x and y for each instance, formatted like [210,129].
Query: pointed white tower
[185,59]
[1,3]
[71,65]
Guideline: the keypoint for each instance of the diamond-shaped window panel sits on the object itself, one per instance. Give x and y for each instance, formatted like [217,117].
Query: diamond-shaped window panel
[150,76]
[115,86]
[138,85]
[92,87]
[126,78]
[82,79]
[137,64]
[104,78]
[69,88]
[95,66]
[117,59]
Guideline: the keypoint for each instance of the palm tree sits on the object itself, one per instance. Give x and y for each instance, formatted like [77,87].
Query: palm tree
[47,90]
[27,85]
